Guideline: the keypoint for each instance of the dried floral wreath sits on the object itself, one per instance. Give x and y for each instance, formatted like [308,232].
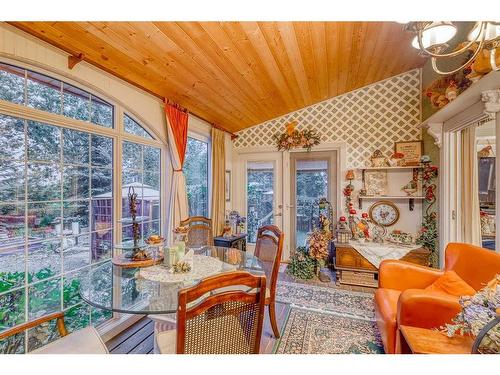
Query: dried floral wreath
[293,138]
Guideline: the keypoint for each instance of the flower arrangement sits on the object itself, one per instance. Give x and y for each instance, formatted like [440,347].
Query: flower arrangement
[447,88]
[307,261]
[293,138]
[237,221]
[477,312]
[400,237]
[318,245]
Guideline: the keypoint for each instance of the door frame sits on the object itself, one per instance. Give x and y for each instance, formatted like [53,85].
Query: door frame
[238,181]
[332,165]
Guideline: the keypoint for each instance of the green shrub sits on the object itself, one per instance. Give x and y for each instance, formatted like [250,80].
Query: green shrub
[301,265]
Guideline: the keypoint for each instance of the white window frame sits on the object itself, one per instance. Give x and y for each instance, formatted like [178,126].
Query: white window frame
[118,135]
[199,135]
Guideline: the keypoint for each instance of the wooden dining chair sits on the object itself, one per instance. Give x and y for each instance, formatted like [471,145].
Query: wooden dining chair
[225,322]
[83,341]
[269,249]
[199,231]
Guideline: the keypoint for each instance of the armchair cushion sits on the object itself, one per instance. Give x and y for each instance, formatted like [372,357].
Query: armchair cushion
[167,342]
[451,283]
[400,275]
[84,341]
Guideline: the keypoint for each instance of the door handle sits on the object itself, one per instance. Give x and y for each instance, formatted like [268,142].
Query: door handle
[289,206]
[278,214]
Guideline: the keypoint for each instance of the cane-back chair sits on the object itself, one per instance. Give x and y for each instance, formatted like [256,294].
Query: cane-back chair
[269,249]
[83,341]
[225,322]
[199,231]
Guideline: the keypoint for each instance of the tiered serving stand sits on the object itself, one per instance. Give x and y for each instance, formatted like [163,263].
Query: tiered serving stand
[134,253]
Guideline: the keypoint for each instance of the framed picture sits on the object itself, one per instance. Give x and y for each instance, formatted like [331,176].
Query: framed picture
[228,186]
[376,183]
[412,151]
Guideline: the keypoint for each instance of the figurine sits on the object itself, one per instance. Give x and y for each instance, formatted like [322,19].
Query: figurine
[378,159]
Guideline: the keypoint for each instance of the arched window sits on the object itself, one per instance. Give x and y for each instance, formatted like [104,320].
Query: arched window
[132,127]
[61,200]
[35,90]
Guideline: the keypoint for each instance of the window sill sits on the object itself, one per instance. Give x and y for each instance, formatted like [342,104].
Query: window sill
[116,325]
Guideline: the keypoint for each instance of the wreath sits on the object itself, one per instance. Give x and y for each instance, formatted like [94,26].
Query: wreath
[293,138]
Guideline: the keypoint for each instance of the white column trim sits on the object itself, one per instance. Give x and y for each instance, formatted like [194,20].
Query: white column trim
[491,100]
[435,130]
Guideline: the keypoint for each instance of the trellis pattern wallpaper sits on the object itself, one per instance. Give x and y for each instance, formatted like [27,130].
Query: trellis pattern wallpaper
[370,118]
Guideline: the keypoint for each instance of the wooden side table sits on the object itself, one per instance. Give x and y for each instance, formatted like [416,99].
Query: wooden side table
[415,340]
[236,242]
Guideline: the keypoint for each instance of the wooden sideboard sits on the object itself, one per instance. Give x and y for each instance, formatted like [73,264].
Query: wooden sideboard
[354,269]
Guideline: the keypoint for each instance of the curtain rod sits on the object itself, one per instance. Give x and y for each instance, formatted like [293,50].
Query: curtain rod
[178,106]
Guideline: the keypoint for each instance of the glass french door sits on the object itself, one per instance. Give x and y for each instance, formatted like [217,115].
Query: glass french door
[263,204]
[312,177]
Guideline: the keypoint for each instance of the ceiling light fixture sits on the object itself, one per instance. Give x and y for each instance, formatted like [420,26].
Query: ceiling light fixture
[432,37]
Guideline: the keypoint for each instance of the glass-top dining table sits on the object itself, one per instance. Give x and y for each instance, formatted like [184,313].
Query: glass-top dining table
[154,290]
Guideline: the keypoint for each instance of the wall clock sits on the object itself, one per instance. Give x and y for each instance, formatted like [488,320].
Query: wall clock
[384,213]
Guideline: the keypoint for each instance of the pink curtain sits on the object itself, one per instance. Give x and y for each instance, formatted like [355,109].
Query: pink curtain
[177,125]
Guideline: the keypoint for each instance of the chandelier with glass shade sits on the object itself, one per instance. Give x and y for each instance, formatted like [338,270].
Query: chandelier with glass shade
[431,39]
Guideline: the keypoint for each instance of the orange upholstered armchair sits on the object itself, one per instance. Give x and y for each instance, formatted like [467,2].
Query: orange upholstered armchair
[402,299]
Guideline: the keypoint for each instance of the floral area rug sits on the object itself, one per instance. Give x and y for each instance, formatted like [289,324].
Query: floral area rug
[312,332]
[325,320]
[326,299]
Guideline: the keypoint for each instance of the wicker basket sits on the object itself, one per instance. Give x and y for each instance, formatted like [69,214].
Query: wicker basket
[359,278]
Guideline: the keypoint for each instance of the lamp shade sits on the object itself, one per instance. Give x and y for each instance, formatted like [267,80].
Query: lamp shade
[492,31]
[436,33]
[350,175]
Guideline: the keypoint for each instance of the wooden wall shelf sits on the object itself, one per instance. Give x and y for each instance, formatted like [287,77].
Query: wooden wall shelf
[411,200]
[388,167]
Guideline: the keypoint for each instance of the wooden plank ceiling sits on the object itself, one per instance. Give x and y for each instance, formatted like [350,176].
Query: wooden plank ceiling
[238,74]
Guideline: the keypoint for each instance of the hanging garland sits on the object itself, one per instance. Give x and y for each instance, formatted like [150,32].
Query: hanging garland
[428,234]
[293,138]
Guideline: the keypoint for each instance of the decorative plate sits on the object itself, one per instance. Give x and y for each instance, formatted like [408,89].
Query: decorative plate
[384,213]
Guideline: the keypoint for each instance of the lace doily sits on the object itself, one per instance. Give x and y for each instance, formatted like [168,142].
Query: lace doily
[203,266]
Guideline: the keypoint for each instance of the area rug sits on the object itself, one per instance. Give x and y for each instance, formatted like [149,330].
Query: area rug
[327,299]
[313,332]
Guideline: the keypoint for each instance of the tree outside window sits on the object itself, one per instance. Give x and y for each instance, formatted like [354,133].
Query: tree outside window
[196,174]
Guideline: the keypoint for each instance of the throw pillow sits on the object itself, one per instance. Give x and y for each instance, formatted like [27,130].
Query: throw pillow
[451,283]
